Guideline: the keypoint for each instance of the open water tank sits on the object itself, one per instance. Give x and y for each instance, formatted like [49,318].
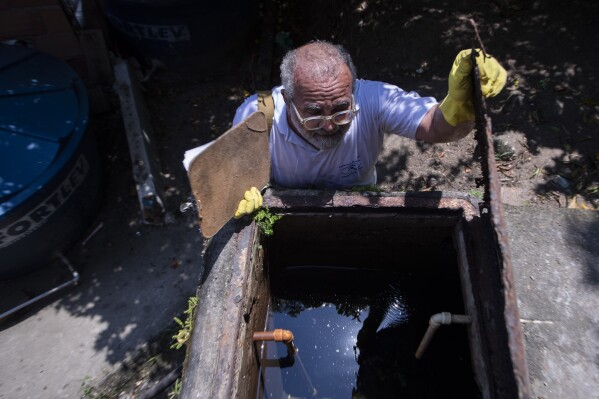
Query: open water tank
[49,168]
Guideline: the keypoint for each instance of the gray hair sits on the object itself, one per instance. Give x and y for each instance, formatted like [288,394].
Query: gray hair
[325,58]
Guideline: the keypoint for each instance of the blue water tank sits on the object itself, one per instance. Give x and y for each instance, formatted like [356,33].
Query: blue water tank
[49,168]
[196,35]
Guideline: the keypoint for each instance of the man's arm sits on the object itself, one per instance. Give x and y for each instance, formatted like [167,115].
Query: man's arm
[453,119]
[434,128]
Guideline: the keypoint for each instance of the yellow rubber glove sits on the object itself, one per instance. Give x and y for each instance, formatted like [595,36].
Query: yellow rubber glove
[458,107]
[252,201]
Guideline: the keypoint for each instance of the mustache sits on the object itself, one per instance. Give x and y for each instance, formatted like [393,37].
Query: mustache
[327,140]
[322,132]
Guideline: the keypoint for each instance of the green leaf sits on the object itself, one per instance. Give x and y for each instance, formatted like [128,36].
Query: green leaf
[265,221]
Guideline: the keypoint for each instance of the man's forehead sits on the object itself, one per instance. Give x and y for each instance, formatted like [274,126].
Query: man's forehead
[338,84]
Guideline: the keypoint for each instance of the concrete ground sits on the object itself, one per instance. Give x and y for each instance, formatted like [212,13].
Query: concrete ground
[555,254]
[90,340]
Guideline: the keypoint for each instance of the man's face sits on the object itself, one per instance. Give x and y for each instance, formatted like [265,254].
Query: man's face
[321,98]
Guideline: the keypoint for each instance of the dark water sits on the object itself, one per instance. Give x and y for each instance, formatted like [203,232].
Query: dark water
[325,342]
[359,340]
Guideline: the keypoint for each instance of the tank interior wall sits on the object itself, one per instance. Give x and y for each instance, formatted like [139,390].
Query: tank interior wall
[359,239]
[412,242]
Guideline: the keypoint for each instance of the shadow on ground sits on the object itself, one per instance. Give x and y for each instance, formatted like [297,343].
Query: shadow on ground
[548,114]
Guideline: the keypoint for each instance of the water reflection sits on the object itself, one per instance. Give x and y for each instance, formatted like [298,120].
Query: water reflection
[325,340]
[359,341]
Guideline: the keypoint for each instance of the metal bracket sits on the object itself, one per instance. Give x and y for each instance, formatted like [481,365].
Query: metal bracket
[146,169]
[73,281]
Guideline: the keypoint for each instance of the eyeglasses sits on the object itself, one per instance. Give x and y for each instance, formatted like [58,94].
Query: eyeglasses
[318,122]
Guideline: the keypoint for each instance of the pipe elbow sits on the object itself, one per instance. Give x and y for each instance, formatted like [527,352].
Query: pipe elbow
[435,322]
[281,335]
[446,318]
[440,318]
[278,335]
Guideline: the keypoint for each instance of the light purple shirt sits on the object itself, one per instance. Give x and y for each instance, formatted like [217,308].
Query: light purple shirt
[382,108]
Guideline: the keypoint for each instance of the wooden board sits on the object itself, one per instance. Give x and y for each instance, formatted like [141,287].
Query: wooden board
[220,175]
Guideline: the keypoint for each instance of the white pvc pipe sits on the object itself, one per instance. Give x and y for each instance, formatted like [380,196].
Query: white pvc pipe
[436,321]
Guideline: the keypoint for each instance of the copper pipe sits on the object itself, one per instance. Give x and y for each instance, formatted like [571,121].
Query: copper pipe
[278,335]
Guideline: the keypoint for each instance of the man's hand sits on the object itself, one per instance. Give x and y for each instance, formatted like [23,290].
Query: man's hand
[252,201]
[458,107]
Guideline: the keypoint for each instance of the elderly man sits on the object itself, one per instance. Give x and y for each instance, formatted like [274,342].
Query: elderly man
[329,126]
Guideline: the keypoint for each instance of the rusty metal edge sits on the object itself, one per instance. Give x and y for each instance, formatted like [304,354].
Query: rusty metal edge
[288,200]
[223,293]
[492,196]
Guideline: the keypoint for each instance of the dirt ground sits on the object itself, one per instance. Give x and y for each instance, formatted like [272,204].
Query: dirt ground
[545,121]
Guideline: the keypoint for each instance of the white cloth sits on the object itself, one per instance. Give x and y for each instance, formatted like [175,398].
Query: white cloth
[382,108]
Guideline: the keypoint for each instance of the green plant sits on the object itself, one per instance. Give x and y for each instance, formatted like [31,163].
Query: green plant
[266,220]
[592,190]
[186,326]
[476,193]
[87,389]
[90,392]
[363,189]
[175,390]
[544,83]
[538,172]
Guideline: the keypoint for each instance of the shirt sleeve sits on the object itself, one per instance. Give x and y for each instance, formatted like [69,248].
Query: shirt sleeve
[401,111]
[248,107]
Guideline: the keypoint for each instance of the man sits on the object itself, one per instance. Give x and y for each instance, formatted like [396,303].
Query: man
[329,126]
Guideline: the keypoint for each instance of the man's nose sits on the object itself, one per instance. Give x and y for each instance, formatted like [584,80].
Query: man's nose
[329,125]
